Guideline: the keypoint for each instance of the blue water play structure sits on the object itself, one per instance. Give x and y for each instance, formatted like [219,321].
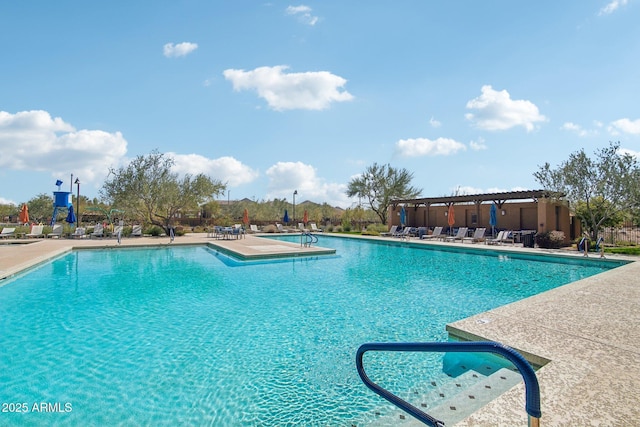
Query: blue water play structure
[61,199]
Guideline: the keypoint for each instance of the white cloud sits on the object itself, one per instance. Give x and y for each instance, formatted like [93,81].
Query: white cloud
[495,110]
[426,147]
[171,50]
[307,91]
[434,123]
[612,6]
[303,13]
[578,130]
[286,177]
[33,140]
[225,169]
[4,201]
[632,153]
[631,127]
[478,144]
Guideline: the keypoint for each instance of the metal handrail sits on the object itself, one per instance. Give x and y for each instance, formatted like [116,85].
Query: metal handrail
[310,238]
[532,389]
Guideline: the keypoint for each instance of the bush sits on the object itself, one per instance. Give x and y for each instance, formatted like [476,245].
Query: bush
[155,231]
[550,239]
[346,226]
[376,229]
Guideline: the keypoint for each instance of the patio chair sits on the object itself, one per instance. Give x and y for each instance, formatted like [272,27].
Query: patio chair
[314,228]
[405,233]
[478,236]
[391,232]
[80,233]
[301,227]
[437,233]
[136,231]
[98,231]
[281,229]
[461,234]
[8,232]
[495,240]
[253,229]
[36,231]
[56,231]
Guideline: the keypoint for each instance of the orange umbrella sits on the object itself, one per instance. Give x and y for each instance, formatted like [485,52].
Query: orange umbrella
[24,214]
[451,216]
[245,217]
[305,218]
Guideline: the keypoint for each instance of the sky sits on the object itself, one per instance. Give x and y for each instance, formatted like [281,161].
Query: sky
[274,97]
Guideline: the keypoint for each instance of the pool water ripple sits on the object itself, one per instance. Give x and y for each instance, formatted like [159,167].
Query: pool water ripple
[177,336]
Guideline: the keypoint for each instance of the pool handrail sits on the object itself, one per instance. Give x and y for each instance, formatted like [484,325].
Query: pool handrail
[532,388]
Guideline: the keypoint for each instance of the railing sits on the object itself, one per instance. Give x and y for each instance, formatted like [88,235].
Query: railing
[306,239]
[532,389]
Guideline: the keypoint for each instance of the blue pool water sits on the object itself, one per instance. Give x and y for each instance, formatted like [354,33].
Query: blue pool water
[188,336]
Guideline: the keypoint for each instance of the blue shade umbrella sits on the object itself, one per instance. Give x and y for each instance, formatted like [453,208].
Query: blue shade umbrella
[493,218]
[71,216]
[403,216]
[285,219]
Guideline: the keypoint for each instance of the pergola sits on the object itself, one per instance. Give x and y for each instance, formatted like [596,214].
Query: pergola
[497,198]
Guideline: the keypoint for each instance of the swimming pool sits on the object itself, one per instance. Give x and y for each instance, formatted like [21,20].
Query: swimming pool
[170,336]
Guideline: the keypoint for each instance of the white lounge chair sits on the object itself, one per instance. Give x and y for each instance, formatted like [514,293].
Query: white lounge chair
[253,228]
[405,233]
[301,227]
[8,232]
[56,231]
[437,232]
[461,234]
[478,236]
[80,233]
[136,231]
[314,228]
[391,232]
[98,231]
[497,240]
[36,231]
[281,229]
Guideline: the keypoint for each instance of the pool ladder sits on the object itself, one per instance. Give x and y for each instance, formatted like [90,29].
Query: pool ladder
[532,389]
[307,239]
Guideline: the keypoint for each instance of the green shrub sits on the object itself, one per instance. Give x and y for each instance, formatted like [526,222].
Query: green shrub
[346,225]
[375,229]
[154,231]
[550,239]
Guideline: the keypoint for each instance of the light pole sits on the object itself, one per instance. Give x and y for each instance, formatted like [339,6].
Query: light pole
[77,182]
[294,205]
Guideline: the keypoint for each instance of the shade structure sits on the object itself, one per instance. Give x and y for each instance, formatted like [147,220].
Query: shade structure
[24,214]
[305,217]
[245,217]
[493,217]
[451,216]
[71,216]
[403,216]
[285,218]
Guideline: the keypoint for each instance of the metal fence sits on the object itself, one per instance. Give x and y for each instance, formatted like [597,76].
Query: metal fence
[621,236]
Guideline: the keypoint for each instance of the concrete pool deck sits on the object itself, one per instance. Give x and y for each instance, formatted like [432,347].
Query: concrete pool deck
[588,331]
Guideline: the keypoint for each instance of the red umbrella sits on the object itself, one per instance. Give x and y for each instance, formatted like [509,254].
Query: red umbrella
[305,218]
[24,214]
[245,217]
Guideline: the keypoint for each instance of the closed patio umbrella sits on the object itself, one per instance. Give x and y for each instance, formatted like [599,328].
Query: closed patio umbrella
[451,217]
[285,218]
[245,217]
[493,219]
[305,217]
[24,214]
[403,216]
[71,216]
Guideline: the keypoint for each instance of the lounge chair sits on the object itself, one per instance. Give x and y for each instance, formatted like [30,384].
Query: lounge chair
[314,228]
[36,231]
[478,236]
[8,232]
[281,229]
[80,233]
[136,231]
[253,228]
[495,240]
[391,232]
[405,233]
[56,231]
[437,233]
[461,234]
[98,231]
[117,230]
[301,227]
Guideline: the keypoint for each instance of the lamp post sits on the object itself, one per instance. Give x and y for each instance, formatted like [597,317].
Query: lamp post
[294,205]
[77,182]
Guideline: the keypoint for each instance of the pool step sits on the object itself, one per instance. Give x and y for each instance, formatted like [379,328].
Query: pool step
[456,399]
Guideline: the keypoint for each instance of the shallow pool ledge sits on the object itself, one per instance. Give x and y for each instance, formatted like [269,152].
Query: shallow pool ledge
[585,335]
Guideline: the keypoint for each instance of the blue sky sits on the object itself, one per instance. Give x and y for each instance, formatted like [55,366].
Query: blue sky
[273,97]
